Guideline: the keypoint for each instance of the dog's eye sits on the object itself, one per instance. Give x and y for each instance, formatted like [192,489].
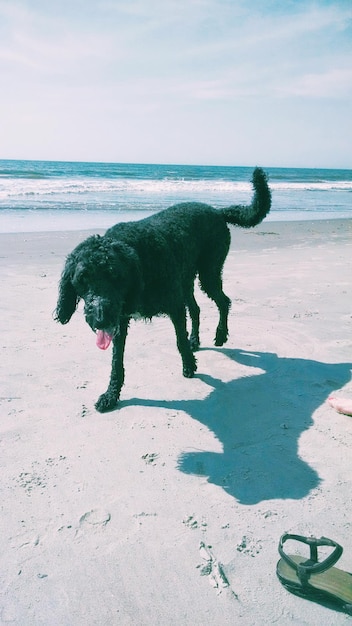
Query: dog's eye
[81,285]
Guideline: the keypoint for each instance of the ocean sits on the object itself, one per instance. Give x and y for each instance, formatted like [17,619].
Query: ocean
[52,196]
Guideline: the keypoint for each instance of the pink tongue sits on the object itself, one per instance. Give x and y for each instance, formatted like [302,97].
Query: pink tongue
[103,339]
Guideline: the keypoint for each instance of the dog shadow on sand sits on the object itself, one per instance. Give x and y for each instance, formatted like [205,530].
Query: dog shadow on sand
[258,420]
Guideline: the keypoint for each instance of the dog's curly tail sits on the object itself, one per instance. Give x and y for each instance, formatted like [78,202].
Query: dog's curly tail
[248,216]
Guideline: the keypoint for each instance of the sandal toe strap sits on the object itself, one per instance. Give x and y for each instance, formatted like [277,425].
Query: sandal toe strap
[312,566]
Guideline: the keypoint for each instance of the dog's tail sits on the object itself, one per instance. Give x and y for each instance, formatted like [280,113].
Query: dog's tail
[248,216]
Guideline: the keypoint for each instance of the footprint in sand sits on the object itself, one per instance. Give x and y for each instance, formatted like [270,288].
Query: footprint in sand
[192,523]
[249,546]
[150,458]
[95,517]
[213,569]
[92,521]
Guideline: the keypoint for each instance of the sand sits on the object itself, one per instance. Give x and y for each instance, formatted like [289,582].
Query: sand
[168,511]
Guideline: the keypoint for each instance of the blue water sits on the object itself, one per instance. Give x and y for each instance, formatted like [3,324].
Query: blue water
[50,195]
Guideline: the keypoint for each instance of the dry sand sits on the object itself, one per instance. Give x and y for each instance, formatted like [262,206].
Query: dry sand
[108,519]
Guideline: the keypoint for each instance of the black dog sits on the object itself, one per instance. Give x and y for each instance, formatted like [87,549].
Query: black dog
[148,268]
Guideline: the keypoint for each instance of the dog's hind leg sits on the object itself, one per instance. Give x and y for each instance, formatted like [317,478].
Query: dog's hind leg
[194,311]
[211,283]
[178,319]
[108,400]
[210,268]
[223,303]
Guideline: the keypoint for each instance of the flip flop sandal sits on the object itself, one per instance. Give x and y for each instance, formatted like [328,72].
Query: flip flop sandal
[314,579]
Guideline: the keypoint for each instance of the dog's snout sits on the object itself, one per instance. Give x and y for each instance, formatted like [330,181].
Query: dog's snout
[94,310]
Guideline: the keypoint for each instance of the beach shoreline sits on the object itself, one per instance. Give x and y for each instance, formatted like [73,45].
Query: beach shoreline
[282,232]
[108,519]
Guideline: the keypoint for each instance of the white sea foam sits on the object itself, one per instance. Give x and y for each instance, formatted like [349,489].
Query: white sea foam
[17,188]
[10,188]
[324,185]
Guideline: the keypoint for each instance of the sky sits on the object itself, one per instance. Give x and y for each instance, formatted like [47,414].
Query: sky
[216,82]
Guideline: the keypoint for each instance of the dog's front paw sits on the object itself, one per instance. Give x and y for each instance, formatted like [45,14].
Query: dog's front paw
[221,336]
[189,369]
[188,373]
[106,402]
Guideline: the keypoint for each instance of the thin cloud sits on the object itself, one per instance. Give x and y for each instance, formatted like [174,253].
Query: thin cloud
[335,83]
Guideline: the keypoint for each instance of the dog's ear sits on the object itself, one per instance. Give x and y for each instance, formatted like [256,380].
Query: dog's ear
[68,297]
